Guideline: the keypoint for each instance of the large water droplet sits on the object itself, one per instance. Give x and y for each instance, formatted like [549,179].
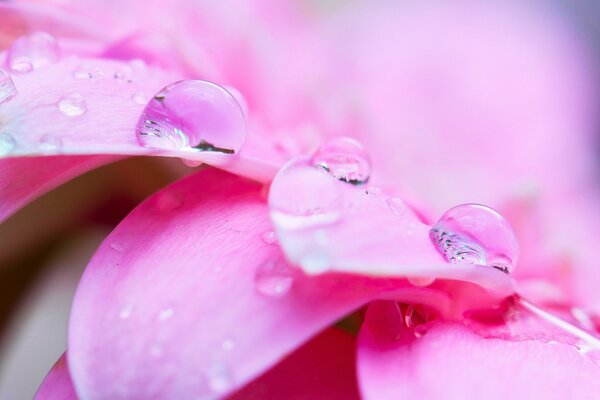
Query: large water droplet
[303,197]
[475,234]
[345,159]
[7,144]
[7,87]
[192,115]
[32,52]
[72,104]
[273,278]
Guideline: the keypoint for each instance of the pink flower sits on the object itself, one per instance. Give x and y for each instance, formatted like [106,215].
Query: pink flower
[205,288]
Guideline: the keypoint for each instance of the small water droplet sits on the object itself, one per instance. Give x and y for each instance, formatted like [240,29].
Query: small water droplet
[228,344]
[86,72]
[166,314]
[218,376]
[117,246]
[420,280]
[191,163]
[50,144]
[273,278]
[125,312]
[268,237]
[373,191]
[7,144]
[302,197]
[33,51]
[345,159]
[124,74]
[168,201]
[139,98]
[8,90]
[192,115]
[397,205]
[72,104]
[475,234]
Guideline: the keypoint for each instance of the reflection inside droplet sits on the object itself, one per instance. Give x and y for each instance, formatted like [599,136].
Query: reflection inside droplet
[273,278]
[72,104]
[345,159]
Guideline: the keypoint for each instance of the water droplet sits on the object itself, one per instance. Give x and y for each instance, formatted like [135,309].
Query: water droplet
[125,312]
[192,115]
[302,197]
[117,246]
[31,52]
[166,314]
[373,191]
[218,376]
[124,74]
[269,237]
[420,280]
[86,72]
[72,104]
[345,159]
[168,201]
[239,97]
[7,144]
[139,98]
[8,89]
[50,144]
[191,163]
[274,278]
[397,205]
[475,234]
[228,344]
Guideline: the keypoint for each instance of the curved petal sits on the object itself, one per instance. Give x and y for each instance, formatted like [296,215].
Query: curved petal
[57,385]
[173,299]
[323,368]
[324,225]
[451,361]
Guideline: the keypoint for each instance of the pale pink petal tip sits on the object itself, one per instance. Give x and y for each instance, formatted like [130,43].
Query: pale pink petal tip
[57,385]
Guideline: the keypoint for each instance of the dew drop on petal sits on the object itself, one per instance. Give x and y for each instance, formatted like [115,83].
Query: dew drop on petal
[420,281]
[7,144]
[273,278]
[168,201]
[218,377]
[124,74]
[475,234]
[302,197]
[191,163]
[192,115]
[72,104]
[8,89]
[33,51]
[345,159]
[268,237]
[396,205]
[373,191]
[239,97]
[50,144]
[86,72]
[117,246]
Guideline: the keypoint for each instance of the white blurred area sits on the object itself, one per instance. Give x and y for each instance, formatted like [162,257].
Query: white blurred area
[37,336]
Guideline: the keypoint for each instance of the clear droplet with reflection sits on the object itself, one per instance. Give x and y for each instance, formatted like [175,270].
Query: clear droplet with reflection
[87,72]
[72,104]
[31,52]
[475,234]
[192,115]
[345,159]
[8,90]
[273,278]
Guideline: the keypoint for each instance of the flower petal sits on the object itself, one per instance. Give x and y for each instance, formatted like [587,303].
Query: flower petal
[451,361]
[323,368]
[170,301]
[57,385]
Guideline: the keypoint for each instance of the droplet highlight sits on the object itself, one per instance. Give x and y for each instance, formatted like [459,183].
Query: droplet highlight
[8,90]
[345,159]
[86,72]
[72,104]
[475,234]
[273,278]
[31,52]
[192,115]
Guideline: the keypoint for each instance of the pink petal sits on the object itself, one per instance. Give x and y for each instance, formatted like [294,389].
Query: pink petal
[57,385]
[362,230]
[323,368]
[168,306]
[451,361]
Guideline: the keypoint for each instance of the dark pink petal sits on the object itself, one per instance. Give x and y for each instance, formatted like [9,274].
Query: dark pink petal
[528,359]
[57,385]
[169,308]
[323,368]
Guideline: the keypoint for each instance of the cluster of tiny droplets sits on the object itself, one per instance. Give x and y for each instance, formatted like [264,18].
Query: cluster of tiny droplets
[455,249]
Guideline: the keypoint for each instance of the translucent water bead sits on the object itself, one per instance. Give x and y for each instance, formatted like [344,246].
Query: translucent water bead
[476,234]
[32,52]
[345,159]
[192,115]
